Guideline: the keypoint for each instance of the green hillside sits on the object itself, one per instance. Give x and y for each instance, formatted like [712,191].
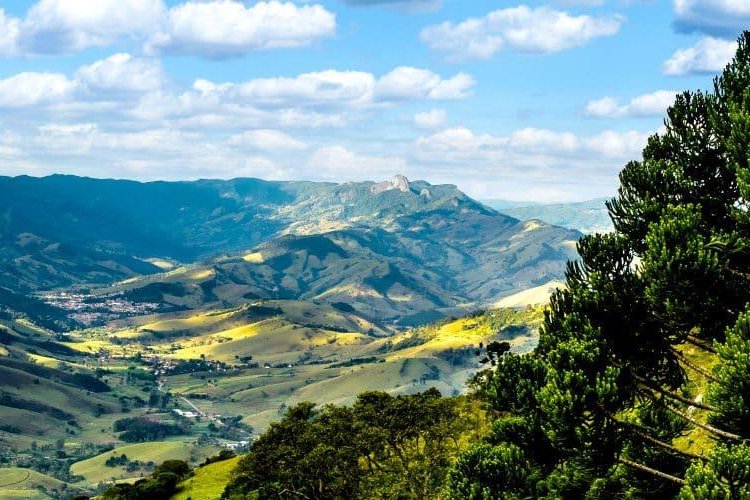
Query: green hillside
[64,397]
[208,482]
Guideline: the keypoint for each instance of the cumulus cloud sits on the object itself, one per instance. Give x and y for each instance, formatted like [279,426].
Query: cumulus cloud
[105,85]
[708,55]
[59,26]
[122,72]
[529,163]
[653,104]
[537,30]
[31,89]
[530,144]
[157,153]
[413,83]
[227,27]
[336,89]
[714,17]
[10,29]
[218,28]
[435,118]
[136,92]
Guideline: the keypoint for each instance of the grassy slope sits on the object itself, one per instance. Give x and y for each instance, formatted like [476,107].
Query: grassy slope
[95,471]
[332,367]
[208,482]
[41,400]
[23,483]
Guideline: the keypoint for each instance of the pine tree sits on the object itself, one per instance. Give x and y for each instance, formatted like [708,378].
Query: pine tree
[608,390]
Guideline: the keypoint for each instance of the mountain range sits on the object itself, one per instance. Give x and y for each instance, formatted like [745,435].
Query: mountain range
[586,216]
[394,251]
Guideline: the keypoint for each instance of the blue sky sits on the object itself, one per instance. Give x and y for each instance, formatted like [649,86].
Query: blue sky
[541,101]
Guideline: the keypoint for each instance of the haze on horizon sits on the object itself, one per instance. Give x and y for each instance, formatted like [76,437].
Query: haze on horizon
[538,101]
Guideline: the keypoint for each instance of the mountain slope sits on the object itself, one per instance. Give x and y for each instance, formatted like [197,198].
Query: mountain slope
[395,251]
[63,230]
[436,262]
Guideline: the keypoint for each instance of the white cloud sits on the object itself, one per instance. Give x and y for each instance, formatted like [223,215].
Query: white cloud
[122,72]
[713,17]
[31,89]
[617,145]
[537,30]
[323,88]
[708,55]
[227,27]
[159,153]
[59,26]
[98,87]
[529,146]
[529,163]
[653,104]
[333,89]
[10,29]
[217,28]
[338,162]
[412,83]
[435,118]
[266,140]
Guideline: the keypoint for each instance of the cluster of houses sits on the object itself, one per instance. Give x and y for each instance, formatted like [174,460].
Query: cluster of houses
[87,311]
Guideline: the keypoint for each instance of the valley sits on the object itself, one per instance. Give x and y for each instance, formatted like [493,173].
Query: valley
[188,331]
[196,383]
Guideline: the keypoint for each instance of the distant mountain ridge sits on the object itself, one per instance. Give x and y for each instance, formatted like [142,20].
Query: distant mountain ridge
[393,249]
[587,216]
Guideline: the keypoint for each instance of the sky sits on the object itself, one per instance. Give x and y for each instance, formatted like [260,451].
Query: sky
[534,101]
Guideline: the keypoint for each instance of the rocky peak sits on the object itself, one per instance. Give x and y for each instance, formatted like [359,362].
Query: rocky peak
[401,183]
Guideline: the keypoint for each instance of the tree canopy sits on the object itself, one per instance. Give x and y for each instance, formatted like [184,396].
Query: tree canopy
[640,385]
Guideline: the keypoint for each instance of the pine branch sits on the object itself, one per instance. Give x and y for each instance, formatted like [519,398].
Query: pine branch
[691,339]
[706,427]
[653,472]
[647,437]
[670,395]
[642,432]
[693,366]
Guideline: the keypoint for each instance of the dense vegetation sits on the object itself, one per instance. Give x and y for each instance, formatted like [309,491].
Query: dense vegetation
[381,447]
[139,429]
[161,485]
[598,410]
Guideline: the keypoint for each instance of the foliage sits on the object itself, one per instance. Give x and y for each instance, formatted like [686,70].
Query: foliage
[595,410]
[139,429]
[381,447]
[161,485]
[725,476]
[730,395]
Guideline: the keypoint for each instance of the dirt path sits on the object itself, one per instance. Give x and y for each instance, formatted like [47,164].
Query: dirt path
[191,405]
